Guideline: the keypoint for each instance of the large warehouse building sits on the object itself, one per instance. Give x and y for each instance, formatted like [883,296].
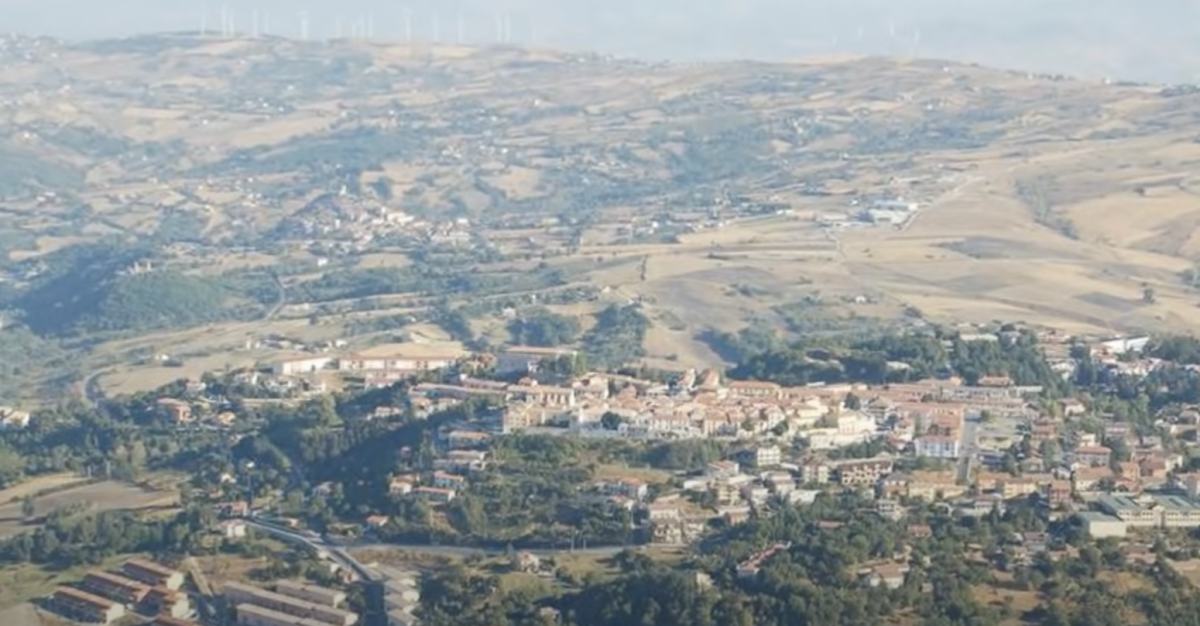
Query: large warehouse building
[249,599]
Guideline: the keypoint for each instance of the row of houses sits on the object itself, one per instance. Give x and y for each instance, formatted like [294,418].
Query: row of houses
[138,586]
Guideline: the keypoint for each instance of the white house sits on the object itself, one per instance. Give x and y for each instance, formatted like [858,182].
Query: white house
[302,365]
[937,447]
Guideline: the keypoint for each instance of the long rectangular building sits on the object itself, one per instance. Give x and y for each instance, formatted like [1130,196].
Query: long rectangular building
[152,574]
[115,587]
[251,615]
[167,620]
[310,593]
[85,607]
[237,593]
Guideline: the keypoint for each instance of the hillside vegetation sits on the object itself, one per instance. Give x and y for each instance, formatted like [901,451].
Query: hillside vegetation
[359,187]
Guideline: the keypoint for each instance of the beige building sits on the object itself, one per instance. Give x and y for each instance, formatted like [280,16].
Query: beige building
[85,607]
[311,593]
[152,574]
[239,594]
[1100,525]
[252,615]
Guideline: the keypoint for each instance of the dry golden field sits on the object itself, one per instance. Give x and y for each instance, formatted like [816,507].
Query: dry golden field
[239,136]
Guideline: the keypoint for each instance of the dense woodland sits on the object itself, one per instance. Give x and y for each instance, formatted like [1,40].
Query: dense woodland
[816,581]
[893,358]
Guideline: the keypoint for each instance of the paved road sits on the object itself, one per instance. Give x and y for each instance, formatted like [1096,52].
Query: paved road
[968,448]
[337,554]
[93,394]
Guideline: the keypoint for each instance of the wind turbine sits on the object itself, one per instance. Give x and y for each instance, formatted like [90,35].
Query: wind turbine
[304,25]
[437,29]
[916,43]
[407,25]
[461,29]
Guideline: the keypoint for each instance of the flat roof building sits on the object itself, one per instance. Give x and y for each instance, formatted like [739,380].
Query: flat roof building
[85,607]
[311,593]
[1158,511]
[152,574]
[1100,525]
[167,620]
[252,615]
[237,593]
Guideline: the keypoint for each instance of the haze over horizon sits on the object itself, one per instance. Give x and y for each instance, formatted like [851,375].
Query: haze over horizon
[1087,38]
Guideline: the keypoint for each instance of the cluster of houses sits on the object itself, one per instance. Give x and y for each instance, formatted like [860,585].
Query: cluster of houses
[346,223]
[137,587]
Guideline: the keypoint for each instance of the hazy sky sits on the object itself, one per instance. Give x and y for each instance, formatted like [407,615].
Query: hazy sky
[1157,40]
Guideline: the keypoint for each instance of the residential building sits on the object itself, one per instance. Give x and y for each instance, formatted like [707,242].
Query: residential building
[13,418]
[435,494]
[1094,456]
[544,396]
[937,446]
[310,592]
[1010,487]
[462,461]
[400,486]
[814,471]
[446,480]
[1058,493]
[753,389]
[663,511]
[863,471]
[85,607]
[889,575]
[246,595]
[934,486]
[631,488]
[301,365]
[767,456]
[723,469]
[677,531]
[376,522]
[467,439]
[233,529]
[890,509]
[152,573]
[399,364]
[751,566]
[176,411]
